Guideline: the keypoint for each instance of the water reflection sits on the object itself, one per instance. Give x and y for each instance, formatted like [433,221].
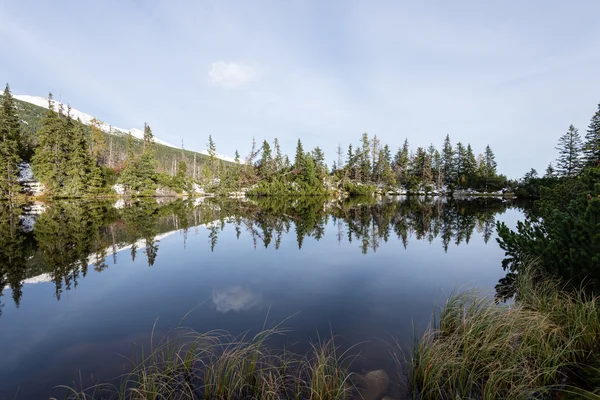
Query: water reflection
[60,241]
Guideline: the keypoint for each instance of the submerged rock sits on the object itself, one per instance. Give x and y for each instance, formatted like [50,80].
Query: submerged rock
[373,385]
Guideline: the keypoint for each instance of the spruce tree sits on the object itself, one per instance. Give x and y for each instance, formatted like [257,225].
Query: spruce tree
[10,136]
[365,159]
[387,174]
[97,141]
[470,165]
[569,160]
[147,165]
[319,159]
[591,148]
[459,164]
[448,161]
[401,160]
[489,165]
[47,161]
[265,165]
[299,159]
[278,156]
[79,166]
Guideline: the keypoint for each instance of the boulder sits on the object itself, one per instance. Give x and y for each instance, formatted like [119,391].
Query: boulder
[374,385]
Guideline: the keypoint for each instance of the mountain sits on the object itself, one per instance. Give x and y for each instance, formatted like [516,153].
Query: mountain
[109,129]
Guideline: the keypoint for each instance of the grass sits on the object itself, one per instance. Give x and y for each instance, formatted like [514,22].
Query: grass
[216,366]
[543,345]
[530,349]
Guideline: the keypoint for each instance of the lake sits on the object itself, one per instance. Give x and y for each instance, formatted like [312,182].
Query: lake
[85,282]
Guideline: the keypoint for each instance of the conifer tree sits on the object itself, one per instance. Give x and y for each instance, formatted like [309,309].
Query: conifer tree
[278,156]
[212,153]
[47,161]
[97,141]
[489,165]
[299,159]
[265,165]
[401,160]
[319,160]
[470,165]
[10,135]
[365,159]
[147,165]
[591,148]
[79,165]
[569,146]
[448,161]
[387,174]
[459,164]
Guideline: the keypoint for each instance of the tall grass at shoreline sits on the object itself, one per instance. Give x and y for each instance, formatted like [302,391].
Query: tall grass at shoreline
[529,349]
[185,364]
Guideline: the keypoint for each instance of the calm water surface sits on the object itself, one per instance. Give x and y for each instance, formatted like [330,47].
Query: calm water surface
[85,282]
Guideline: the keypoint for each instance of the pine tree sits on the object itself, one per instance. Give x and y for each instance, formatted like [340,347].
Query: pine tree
[47,161]
[97,141]
[299,159]
[470,166]
[459,164]
[265,164]
[351,162]
[448,161]
[569,161]
[10,137]
[401,160]
[146,171]
[489,165]
[278,156]
[591,148]
[549,171]
[365,159]
[79,165]
[387,174]
[319,160]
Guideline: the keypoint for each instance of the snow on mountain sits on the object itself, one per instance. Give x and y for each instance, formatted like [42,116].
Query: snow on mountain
[87,120]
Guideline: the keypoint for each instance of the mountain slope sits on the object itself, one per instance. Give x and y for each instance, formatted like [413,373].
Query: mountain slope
[87,119]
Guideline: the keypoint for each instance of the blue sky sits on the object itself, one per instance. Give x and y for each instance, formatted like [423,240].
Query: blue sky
[512,74]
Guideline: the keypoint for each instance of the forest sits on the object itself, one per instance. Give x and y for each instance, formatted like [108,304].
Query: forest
[73,160]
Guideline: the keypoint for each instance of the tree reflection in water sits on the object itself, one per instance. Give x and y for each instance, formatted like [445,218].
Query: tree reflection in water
[70,236]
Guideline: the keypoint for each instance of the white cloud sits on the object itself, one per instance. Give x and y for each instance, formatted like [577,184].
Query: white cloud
[235,298]
[231,75]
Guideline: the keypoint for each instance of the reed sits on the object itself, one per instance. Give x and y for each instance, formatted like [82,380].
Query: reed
[477,349]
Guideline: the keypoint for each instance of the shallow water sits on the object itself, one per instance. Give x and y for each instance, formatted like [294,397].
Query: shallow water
[84,282]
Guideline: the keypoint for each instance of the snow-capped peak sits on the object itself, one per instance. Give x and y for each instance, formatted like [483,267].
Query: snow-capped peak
[87,120]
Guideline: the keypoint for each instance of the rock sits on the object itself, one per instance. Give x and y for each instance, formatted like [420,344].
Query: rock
[374,385]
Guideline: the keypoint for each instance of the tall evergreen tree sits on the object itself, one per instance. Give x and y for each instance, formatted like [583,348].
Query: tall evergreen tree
[10,136]
[401,160]
[365,159]
[459,164]
[47,161]
[591,148]
[266,162]
[319,160]
[300,156]
[489,165]
[278,156]
[470,165]
[569,147]
[97,141]
[448,161]
[549,171]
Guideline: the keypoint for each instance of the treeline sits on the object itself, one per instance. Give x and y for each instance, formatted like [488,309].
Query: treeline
[562,232]
[74,160]
[364,169]
[575,154]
